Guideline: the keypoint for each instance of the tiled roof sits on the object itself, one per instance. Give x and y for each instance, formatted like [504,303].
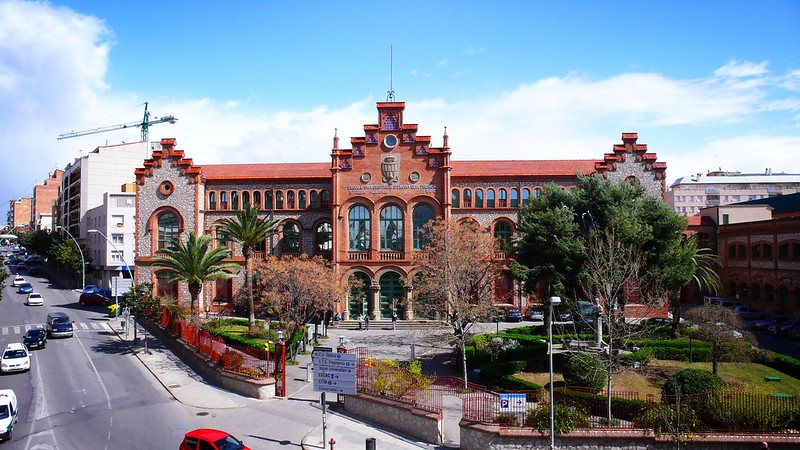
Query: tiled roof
[522,167]
[266,170]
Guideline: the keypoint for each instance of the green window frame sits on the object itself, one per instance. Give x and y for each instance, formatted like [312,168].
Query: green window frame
[167,229]
[391,223]
[359,228]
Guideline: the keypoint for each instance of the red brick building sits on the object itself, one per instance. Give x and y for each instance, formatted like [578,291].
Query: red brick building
[364,209]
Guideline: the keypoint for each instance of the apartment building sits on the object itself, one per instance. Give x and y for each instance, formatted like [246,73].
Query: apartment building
[110,240]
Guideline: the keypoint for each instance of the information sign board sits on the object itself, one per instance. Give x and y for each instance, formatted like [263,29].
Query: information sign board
[334,372]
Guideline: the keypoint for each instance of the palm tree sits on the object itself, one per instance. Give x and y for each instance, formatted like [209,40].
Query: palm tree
[195,262]
[704,276]
[249,230]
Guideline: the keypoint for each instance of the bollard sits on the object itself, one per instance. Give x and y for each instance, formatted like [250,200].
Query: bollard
[370,443]
[332,442]
[309,368]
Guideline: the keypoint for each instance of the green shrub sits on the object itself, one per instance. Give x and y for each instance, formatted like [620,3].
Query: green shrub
[782,363]
[734,410]
[597,405]
[662,418]
[692,381]
[565,418]
[643,357]
[586,370]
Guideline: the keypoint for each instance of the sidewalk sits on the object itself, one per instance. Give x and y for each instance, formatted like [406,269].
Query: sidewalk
[185,386]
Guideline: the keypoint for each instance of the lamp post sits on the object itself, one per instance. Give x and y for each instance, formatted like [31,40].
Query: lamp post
[83,261]
[116,296]
[554,301]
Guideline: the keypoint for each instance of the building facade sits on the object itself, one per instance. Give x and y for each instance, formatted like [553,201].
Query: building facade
[688,195]
[364,209]
[759,246]
[45,196]
[110,240]
[19,214]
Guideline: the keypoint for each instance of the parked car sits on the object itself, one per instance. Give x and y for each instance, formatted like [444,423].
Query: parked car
[34,271]
[720,301]
[94,299]
[512,314]
[35,338]
[764,323]
[8,413]
[25,288]
[89,288]
[747,313]
[59,325]
[11,261]
[206,438]
[35,299]
[780,327]
[21,266]
[562,315]
[15,358]
[659,321]
[794,331]
[536,314]
[18,280]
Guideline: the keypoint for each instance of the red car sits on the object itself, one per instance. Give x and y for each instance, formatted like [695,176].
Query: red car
[208,439]
[94,299]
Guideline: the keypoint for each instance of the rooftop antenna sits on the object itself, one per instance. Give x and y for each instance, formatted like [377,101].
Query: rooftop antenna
[390,94]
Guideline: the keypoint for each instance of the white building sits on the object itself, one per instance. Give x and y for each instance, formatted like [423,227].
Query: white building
[110,240]
[688,195]
[86,181]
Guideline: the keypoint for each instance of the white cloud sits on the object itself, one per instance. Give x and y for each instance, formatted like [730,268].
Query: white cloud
[442,62]
[53,65]
[472,51]
[736,69]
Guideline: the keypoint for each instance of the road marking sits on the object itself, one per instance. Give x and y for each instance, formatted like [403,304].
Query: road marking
[16,330]
[5,331]
[79,326]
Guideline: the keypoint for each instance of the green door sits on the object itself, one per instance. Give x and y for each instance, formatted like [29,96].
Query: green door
[392,294]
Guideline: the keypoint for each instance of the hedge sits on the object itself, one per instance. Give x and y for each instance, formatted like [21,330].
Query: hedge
[621,408]
[782,363]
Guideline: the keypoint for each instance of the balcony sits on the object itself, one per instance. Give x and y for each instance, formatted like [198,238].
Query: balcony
[391,256]
[358,256]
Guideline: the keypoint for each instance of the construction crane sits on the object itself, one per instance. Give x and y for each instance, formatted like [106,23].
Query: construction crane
[144,125]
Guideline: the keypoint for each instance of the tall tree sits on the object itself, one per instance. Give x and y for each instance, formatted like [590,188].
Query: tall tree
[297,289]
[195,262]
[704,276]
[249,230]
[455,277]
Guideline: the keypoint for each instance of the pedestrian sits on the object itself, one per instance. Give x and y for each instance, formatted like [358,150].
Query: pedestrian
[394,320]
[366,322]
[360,322]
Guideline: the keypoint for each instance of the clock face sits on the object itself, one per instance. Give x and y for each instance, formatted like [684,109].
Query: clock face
[390,141]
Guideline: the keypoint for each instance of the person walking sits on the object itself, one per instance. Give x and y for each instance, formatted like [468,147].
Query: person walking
[360,322]
[366,321]
[394,320]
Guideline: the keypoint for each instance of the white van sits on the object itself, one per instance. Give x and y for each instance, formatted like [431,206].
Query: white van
[8,412]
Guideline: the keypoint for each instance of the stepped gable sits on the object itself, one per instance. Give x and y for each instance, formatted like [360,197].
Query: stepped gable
[175,158]
[611,161]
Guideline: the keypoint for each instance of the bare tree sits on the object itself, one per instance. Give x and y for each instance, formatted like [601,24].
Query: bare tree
[297,289]
[723,328]
[455,277]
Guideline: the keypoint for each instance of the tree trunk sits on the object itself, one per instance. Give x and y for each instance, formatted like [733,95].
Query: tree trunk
[464,362]
[675,307]
[715,359]
[248,287]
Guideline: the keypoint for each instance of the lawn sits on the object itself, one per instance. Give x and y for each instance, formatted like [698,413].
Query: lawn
[745,376]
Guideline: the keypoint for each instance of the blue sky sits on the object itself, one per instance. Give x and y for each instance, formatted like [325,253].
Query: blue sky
[707,85]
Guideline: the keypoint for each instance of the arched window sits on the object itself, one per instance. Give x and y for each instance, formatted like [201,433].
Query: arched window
[223,238]
[212,201]
[313,201]
[301,199]
[478,198]
[359,228]
[267,199]
[526,196]
[324,199]
[514,198]
[391,228]
[245,198]
[502,200]
[454,200]
[291,238]
[278,199]
[223,200]
[421,215]
[165,287]
[490,198]
[502,231]
[235,201]
[289,199]
[257,199]
[167,230]
[467,198]
[537,193]
[323,238]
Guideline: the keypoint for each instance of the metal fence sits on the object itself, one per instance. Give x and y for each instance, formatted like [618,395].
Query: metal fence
[246,361]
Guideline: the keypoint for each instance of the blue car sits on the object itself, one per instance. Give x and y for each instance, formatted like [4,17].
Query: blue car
[25,288]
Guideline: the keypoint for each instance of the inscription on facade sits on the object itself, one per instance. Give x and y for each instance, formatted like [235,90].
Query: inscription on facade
[384,189]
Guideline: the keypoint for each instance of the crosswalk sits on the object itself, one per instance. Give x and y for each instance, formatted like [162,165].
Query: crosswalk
[77,326]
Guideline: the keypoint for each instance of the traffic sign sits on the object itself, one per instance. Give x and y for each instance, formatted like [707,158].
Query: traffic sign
[334,372]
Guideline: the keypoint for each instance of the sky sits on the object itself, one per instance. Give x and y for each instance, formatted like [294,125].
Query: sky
[707,85]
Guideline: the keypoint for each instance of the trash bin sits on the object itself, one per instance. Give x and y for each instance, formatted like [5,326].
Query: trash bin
[370,444]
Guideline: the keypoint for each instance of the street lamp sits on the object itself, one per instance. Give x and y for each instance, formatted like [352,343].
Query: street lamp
[554,301]
[83,262]
[116,296]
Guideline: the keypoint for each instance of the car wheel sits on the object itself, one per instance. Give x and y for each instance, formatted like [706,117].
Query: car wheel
[81,302]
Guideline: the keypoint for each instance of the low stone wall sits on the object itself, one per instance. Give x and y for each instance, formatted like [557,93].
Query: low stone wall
[405,419]
[211,372]
[478,436]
